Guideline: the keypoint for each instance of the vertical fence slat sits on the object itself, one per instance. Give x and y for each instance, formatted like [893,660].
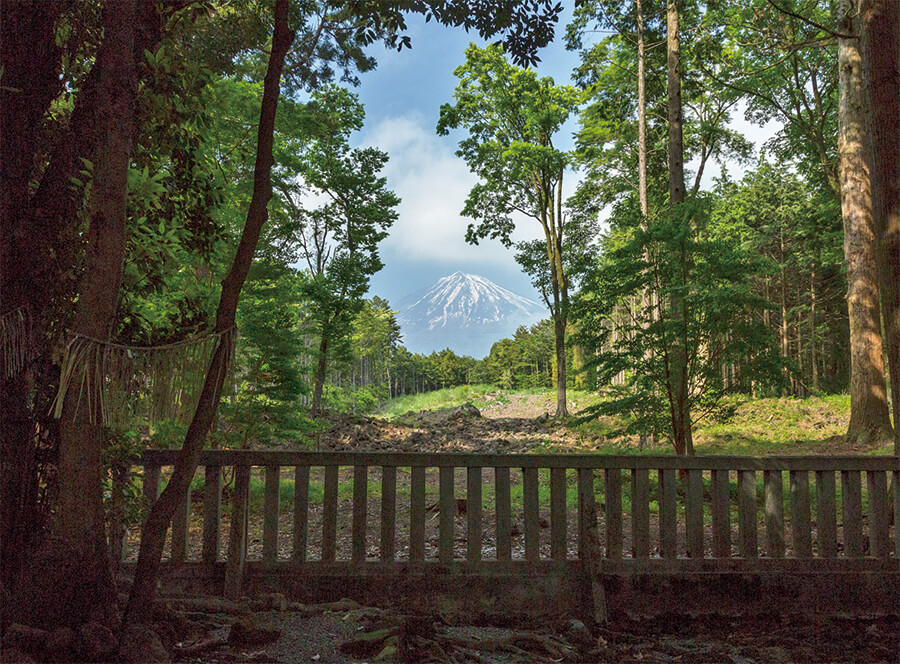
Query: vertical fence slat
[212,512]
[417,515]
[118,528]
[613,478]
[826,518]
[504,516]
[180,525]
[558,513]
[301,512]
[721,514]
[447,514]
[667,516]
[879,539]
[473,514]
[800,514]
[270,513]
[747,513]
[237,539]
[640,512]
[897,515]
[360,496]
[693,513]
[329,514]
[388,512]
[587,511]
[151,484]
[851,502]
[532,514]
[774,503]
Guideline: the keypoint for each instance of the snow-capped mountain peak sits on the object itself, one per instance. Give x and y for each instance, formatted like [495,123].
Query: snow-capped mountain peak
[464,312]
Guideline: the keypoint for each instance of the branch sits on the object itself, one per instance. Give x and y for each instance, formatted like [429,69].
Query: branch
[809,21]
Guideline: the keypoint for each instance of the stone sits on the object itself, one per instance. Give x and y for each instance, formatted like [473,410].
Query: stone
[13,655]
[248,632]
[141,645]
[25,638]
[60,644]
[579,635]
[97,641]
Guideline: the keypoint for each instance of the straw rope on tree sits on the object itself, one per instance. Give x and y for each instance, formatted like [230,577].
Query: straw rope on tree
[15,341]
[116,382]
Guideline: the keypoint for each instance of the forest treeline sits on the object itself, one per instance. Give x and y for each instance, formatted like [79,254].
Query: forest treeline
[189,233]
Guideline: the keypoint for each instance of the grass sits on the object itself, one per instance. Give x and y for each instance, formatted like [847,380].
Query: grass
[446,398]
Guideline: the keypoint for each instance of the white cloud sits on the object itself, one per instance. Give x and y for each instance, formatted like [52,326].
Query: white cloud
[433,184]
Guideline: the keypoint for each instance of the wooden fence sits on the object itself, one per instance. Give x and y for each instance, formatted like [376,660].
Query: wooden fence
[481,513]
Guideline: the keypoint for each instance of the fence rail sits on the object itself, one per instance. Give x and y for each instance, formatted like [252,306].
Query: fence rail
[356,509]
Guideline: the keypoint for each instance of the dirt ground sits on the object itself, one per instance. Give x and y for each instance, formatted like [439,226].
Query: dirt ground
[519,424]
[326,637]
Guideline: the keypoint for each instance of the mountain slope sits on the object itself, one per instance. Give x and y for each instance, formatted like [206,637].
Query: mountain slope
[464,312]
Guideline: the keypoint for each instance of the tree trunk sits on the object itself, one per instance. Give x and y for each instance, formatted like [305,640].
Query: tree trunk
[559,330]
[869,415]
[30,81]
[154,530]
[320,375]
[880,43]
[81,525]
[813,353]
[679,390]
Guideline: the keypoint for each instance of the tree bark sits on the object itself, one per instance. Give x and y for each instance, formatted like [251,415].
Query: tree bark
[880,44]
[320,375]
[81,515]
[31,62]
[869,415]
[153,533]
[679,389]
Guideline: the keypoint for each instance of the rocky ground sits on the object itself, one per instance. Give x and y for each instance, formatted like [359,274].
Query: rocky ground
[271,629]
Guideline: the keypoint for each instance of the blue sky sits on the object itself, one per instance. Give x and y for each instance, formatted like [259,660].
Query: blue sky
[402,98]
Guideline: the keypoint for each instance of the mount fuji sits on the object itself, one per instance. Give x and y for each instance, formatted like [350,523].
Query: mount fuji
[464,312]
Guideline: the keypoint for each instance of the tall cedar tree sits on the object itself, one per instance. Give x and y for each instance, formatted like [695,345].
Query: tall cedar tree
[880,42]
[869,415]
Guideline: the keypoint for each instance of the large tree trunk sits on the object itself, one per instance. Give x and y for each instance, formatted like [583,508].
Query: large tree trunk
[679,388]
[31,61]
[154,530]
[880,42]
[869,415]
[81,528]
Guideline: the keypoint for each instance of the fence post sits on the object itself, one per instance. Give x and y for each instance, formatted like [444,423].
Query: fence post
[473,514]
[774,513]
[180,526]
[447,511]
[212,512]
[388,512]
[237,541]
[270,513]
[826,519]
[301,512]
[693,513]
[747,513]
[640,512]
[721,514]
[800,514]
[504,518]
[360,497]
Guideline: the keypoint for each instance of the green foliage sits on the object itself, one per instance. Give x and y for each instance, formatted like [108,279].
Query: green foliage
[265,406]
[633,335]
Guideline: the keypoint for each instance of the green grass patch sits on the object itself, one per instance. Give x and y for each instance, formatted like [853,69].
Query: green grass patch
[446,398]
